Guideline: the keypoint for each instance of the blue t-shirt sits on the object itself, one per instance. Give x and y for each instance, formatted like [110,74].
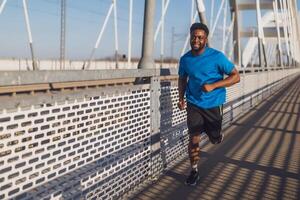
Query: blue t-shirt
[208,67]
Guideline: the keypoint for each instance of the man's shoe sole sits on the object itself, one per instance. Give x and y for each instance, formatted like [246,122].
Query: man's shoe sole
[213,141]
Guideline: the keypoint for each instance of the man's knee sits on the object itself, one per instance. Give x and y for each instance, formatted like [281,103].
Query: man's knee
[195,138]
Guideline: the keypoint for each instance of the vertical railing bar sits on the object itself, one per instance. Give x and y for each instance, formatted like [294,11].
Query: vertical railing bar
[212,8]
[2,6]
[130,33]
[116,33]
[162,33]
[29,34]
[192,11]
[224,26]
[100,35]
[275,8]
[217,19]
[164,10]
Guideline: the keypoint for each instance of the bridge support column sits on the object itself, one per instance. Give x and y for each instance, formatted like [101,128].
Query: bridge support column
[147,61]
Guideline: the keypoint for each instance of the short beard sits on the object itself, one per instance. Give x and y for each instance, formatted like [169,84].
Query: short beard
[196,49]
[201,47]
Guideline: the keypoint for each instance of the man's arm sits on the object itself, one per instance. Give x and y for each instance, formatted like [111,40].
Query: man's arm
[232,79]
[182,82]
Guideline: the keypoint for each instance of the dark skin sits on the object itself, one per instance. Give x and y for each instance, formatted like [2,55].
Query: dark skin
[198,42]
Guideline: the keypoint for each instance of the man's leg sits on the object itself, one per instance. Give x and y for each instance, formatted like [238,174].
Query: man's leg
[195,126]
[213,124]
[194,155]
[194,149]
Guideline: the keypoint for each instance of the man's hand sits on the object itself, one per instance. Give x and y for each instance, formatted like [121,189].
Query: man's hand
[232,79]
[181,104]
[208,87]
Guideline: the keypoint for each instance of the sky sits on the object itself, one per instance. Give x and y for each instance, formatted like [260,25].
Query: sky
[84,21]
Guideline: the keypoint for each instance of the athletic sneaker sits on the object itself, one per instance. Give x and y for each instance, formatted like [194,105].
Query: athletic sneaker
[193,178]
[216,140]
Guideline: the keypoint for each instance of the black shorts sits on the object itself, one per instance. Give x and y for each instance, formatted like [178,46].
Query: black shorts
[201,120]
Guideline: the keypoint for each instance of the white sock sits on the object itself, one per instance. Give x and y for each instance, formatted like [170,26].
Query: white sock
[195,167]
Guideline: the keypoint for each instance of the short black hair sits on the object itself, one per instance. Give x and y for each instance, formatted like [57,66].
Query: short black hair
[199,25]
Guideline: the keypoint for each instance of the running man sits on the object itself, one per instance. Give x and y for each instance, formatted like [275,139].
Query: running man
[201,79]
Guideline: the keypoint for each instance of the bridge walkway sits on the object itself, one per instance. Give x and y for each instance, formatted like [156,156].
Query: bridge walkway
[258,159]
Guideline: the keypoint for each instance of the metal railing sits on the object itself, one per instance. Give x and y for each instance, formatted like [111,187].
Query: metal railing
[98,134]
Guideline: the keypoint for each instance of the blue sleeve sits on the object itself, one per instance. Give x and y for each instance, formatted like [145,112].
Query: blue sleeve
[181,70]
[225,65]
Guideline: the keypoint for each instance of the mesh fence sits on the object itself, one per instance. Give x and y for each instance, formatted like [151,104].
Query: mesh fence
[100,145]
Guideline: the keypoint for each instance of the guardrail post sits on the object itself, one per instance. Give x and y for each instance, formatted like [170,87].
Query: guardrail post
[156,161]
